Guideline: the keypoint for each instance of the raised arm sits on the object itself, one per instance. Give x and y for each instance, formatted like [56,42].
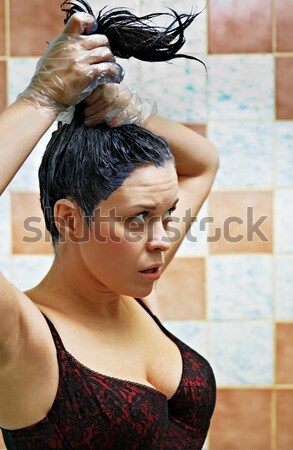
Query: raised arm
[196,163]
[73,65]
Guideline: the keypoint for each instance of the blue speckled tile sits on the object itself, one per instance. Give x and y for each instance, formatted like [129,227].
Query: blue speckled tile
[242,353]
[26,178]
[28,271]
[284,153]
[284,287]
[192,333]
[179,89]
[240,287]
[284,220]
[20,72]
[5,224]
[245,151]
[195,242]
[241,87]
[196,34]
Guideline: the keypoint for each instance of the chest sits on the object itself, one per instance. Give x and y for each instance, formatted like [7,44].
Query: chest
[146,356]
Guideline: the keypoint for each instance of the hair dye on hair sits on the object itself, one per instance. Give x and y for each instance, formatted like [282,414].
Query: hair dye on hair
[138,37]
[88,164]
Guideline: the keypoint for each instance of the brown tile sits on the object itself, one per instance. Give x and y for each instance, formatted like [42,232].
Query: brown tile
[227,209]
[2,27]
[28,224]
[242,420]
[3,95]
[284,15]
[284,354]
[181,290]
[236,26]
[284,87]
[33,24]
[198,127]
[284,419]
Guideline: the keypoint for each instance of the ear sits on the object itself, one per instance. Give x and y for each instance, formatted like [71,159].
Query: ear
[68,220]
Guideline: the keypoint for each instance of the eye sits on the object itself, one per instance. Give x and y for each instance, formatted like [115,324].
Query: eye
[167,218]
[138,220]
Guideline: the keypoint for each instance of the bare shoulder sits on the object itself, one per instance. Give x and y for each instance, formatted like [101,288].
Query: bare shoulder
[28,360]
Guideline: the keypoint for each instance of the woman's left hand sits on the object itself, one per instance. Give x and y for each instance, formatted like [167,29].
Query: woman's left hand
[117,105]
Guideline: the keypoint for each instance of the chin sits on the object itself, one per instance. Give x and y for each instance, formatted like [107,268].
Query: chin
[141,292]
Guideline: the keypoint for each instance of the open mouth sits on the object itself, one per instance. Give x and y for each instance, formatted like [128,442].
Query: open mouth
[149,271]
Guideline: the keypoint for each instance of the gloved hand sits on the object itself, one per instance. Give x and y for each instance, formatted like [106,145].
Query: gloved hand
[117,105]
[71,68]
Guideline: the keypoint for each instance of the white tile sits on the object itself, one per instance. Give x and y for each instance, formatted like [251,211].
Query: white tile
[179,89]
[284,153]
[5,224]
[246,154]
[242,353]
[241,87]
[21,71]
[283,220]
[195,242]
[284,287]
[240,287]
[192,333]
[28,271]
[5,266]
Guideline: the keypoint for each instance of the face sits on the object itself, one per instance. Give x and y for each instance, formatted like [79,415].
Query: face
[129,234]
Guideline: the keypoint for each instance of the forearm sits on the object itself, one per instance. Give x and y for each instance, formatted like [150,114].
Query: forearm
[194,154]
[21,127]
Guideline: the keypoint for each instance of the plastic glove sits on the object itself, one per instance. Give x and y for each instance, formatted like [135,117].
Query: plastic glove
[117,105]
[71,68]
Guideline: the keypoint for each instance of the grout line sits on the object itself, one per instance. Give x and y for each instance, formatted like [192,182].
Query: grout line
[7,28]
[274,27]
[7,47]
[274,419]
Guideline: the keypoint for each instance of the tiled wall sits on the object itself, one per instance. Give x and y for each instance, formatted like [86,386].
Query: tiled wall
[229,293]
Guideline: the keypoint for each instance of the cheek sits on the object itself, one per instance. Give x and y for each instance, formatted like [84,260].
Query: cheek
[116,241]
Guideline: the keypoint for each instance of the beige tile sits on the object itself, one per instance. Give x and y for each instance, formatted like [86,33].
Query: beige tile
[33,24]
[2,27]
[284,86]
[181,290]
[242,420]
[284,354]
[234,215]
[284,16]
[3,96]
[28,224]
[284,419]
[236,26]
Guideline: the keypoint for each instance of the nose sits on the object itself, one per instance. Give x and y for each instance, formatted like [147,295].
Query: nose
[158,239]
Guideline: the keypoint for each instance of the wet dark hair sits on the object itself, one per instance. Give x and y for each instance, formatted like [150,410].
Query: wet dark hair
[130,35]
[88,164]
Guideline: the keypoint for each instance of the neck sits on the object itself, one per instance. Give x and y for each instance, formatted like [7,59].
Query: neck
[71,290]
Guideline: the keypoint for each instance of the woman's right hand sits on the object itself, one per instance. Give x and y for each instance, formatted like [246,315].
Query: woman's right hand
[73,65]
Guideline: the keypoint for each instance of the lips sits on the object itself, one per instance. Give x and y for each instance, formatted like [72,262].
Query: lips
[151,269]
[151,273]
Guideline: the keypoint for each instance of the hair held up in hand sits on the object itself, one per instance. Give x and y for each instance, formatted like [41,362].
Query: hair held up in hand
[138,37]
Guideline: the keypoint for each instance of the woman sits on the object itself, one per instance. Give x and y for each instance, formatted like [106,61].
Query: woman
[83,363]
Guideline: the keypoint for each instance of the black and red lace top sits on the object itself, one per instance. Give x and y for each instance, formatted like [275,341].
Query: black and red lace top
[92,411]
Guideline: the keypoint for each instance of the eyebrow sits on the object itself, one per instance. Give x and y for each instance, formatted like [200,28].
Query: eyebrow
[152,207]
